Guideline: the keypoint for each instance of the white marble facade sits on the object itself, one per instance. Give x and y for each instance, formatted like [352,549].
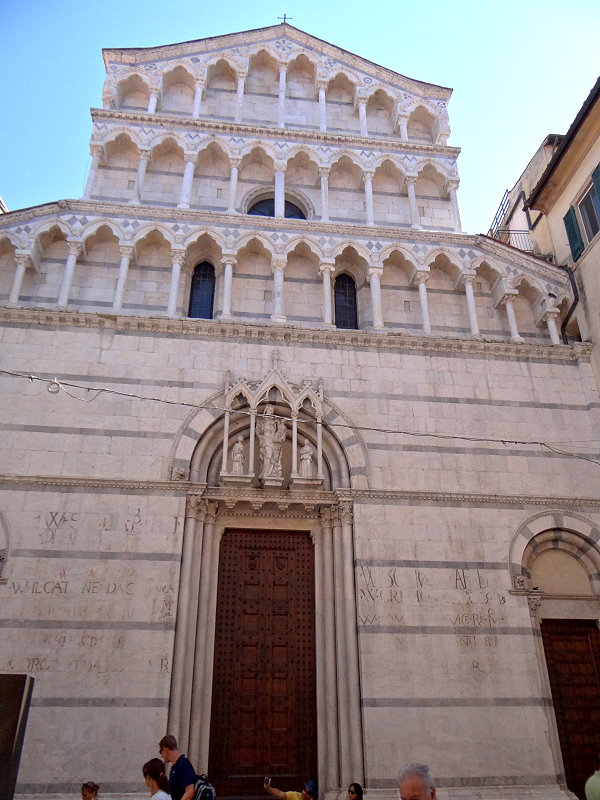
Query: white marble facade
[423,483]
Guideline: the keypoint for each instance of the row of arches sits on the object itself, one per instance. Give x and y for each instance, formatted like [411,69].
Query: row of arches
[151,275]
[214,179]
[266,90]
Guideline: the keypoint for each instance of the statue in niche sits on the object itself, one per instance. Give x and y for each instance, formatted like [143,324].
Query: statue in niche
[271,436]
[306,460]
[238,457]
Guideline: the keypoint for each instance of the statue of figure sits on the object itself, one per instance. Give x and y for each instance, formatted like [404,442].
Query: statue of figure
[238,456]
[271,435]
[306,458]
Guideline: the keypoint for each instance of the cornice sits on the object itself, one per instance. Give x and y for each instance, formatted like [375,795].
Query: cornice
[253,332]
[289,497]
[267,34]
[160,121]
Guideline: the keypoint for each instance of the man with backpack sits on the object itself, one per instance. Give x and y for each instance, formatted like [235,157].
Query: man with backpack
[182,776]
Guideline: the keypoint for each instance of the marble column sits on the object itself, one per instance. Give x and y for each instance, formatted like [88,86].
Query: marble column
[281,98]
[421,278]
[362,116]
[152,100]
[278,314]
[280,190]
[65,288]
[452,188]
[239,96]
[97,152]
[324,174]
[177,260]
[233,181]
[331,684]
[415,221]
[197,99]
[228,265]
[550,319]
[326,269]
[352,671]
[126,253]
[368,180]
[196,513]
[507,301]
[341,650]
[374,276]
[322,108]
[23,261]
[141,176]
[471,306]
[188,177]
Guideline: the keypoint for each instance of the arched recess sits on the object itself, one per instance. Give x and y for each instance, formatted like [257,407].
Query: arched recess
[325,512]
[555,563]
[221,83]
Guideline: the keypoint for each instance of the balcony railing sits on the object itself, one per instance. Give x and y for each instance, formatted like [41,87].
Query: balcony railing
[520,239]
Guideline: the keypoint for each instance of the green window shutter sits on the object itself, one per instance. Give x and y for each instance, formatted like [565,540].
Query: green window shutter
[573,234]
[596,179]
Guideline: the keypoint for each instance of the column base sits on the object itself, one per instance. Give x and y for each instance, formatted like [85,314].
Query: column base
[517,339]
[224,317]
[183,205]
[279,319]
[378,330]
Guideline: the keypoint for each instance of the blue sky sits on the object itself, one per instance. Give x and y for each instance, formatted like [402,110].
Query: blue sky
[519,71]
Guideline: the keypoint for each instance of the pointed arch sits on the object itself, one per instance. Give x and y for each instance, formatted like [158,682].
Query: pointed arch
[178,86]
[133,90]
[380,112]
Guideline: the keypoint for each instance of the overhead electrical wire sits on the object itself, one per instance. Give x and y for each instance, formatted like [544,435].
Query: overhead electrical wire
[55,386]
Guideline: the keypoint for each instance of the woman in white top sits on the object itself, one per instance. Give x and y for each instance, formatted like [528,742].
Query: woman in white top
[156,780]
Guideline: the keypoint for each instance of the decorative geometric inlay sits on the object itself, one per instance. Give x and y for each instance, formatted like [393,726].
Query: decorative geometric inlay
[283,46]
[366,79]
[419,248]
[176,228]
[462,253]
[329,62]
[195,60]
[72,220]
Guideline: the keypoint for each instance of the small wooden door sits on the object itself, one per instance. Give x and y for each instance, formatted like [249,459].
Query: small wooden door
[572,649]
[263,715]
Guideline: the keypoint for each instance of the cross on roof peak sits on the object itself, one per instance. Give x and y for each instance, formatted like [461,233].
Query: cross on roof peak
[285,18]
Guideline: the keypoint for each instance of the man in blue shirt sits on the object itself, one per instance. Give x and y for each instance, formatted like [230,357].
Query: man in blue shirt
[182,776]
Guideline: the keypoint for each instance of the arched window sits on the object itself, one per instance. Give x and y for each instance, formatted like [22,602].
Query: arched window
[202,294]
[266,208]
[346,315]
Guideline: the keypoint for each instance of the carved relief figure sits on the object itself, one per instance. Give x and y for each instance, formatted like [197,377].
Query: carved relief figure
[306,460]
[271,435]
[238,456]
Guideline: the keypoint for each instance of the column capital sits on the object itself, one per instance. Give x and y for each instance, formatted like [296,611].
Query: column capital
[419,275]
[201,81]
[154,91]
[190,158]
[327,266]
[229,258]
[465,276]
[23,258]
[411,179]
[280,166]
[507,296]
[96,150]
[177,255]
[75,247]
[283,65]
[361,100]
[144,152]
[325,516]
[321,85]
[126,250]
[374,271]
[324,172]
[368,174]
[235,162]
[452,183]
[278,262]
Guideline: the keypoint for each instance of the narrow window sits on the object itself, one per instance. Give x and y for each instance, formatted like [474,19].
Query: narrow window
[346,315]
[573,234]
[202,294]
[589,208]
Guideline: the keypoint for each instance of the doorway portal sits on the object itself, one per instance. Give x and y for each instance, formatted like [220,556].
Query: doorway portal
[263,718]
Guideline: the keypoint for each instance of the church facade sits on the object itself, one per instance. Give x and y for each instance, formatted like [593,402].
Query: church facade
[293,468]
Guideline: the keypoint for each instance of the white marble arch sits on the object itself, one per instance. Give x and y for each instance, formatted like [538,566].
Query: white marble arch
[327,515]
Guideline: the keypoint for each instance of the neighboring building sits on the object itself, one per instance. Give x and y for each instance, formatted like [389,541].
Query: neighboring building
[283,489]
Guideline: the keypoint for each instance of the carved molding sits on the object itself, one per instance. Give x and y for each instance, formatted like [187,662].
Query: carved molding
[317,498]
[292,135]
[249,332]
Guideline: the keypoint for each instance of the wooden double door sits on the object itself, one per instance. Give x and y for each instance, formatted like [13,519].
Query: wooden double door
[263,714]
[572,649]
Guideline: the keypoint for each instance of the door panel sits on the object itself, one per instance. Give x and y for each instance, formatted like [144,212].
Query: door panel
[263,717]
[572,649]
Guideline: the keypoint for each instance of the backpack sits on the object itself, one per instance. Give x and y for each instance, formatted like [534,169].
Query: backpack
[203,790]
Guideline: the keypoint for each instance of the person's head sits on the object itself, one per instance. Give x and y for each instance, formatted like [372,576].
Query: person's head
[310,791]
[89,790]
[355,791]
[415,782]
[167,747]
[154,773]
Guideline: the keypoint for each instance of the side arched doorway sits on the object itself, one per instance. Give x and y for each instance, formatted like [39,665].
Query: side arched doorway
[266,676]
[560,574]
